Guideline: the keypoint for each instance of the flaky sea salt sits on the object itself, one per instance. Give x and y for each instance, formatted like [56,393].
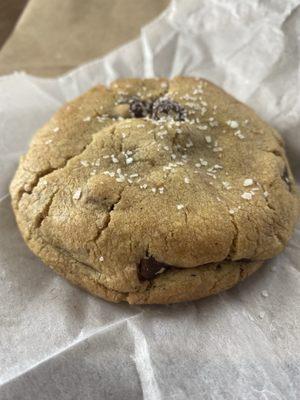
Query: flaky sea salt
[226,185]
[239,134]
[217,149]
[109,173]
[129,160]
[247,195]
[77,194]
[179,206]
[232,124]
[248,182]
[114,159]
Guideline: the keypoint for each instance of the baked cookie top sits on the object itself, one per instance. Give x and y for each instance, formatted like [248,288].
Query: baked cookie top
[152,173]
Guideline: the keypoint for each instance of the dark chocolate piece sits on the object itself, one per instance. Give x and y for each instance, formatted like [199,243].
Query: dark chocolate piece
[149,268]
[167,107]
[139,108]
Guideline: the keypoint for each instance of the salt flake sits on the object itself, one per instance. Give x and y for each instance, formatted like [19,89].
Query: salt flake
[232,124]
[247,195]
[248,182]
[77,194]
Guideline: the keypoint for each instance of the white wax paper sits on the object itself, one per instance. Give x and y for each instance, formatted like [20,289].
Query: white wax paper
[58,342]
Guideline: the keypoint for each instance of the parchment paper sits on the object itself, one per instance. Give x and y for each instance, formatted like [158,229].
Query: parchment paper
[58,342]
[54,36]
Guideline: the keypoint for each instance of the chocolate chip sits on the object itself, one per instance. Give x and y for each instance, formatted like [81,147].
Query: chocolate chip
[286,178]
[242,273]
[149,268]
[139,108]
[165,107]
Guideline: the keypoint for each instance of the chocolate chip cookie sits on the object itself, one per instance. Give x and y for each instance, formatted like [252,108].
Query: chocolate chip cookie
[155,191]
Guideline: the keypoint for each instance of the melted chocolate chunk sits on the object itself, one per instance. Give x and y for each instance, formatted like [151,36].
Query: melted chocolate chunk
[166,107]
[139,108]
[286,178]
[149,268]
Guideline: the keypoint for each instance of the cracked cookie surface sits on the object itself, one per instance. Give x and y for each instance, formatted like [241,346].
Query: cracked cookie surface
[155,191]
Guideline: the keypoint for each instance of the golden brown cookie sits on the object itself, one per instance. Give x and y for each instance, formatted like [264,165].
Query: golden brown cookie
[155,191]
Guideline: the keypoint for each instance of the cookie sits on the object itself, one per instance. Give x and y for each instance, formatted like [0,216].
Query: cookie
[155,191]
